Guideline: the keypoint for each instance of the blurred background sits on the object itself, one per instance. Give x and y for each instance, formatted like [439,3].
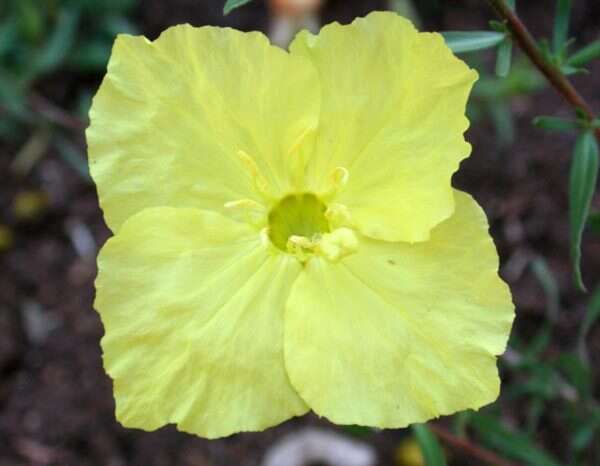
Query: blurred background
[56,405]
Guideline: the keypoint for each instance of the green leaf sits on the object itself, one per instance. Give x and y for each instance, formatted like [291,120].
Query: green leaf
[576,372]
[90,55]
[231,5]
[468,41]
[504,57]
[546,278]
[8,35]
[583,435]
[58,45]
[30,18]
[555,123]
[591,316]
[511,444]
[585,55]
[569,70]
[594,222]
[561,25]
[13,98]
[582,184]
[498,26]
[430,447]
[503,120]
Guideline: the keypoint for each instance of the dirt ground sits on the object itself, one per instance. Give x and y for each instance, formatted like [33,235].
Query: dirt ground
[56,404]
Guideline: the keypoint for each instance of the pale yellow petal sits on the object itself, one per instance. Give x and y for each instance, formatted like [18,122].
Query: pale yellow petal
[393,115]
[398,333]
[175,120]
[192,305]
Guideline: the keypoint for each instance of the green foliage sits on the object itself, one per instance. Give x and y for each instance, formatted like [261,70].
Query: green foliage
[40,39]
[561,26]
[470,41]
[582,184]
[430,447]
[512,444]
[546,278]
[231,5]
[504,57]
[57,45]
[585,55]
[591,317]
[556,123]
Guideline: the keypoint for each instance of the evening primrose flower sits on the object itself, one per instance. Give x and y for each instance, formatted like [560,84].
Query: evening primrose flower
[286,237]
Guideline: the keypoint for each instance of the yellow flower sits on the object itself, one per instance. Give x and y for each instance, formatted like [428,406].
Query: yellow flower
[286,235]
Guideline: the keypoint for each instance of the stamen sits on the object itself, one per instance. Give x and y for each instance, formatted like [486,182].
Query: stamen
[337,244]
[300,246]
[339,178]
[247,210]
[297,159]
[338,215]
[300,139]
[260,182]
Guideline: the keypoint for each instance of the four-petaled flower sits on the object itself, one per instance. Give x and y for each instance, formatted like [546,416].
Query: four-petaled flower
[286,235]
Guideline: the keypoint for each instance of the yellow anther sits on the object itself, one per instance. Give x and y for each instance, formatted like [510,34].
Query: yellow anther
[338,244]
[300,246]
[260,183]
[340,176]
[339,179]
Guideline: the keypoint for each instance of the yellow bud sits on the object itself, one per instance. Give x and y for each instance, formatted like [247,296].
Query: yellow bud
[408,453]
[29,205]
[6,238]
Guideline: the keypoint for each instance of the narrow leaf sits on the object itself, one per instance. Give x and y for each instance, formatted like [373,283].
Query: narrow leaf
[58,45]
[430,447]
[231,5]
[544,275]
[504,57]
[512,444]
[561,25]
[585,55]
[555,123]
[569,70]
[582,184]
[591,316]
[468,41]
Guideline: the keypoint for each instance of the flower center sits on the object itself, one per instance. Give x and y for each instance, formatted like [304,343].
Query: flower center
[297,216]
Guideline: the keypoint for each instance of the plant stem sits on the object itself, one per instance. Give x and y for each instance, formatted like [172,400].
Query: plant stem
[55,114]
[471,449]
[526,42]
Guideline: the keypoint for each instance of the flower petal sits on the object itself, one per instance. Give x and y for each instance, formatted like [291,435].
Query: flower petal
[392,114]
[192,307]
[172,116]
[402,333]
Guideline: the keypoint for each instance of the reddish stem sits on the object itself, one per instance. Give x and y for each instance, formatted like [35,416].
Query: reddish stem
[527,43]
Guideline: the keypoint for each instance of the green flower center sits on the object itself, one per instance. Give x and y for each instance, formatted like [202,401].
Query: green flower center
[297,215]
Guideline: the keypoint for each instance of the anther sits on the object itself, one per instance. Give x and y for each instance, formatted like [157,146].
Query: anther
[338,244]
[300,246]
[339,178]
